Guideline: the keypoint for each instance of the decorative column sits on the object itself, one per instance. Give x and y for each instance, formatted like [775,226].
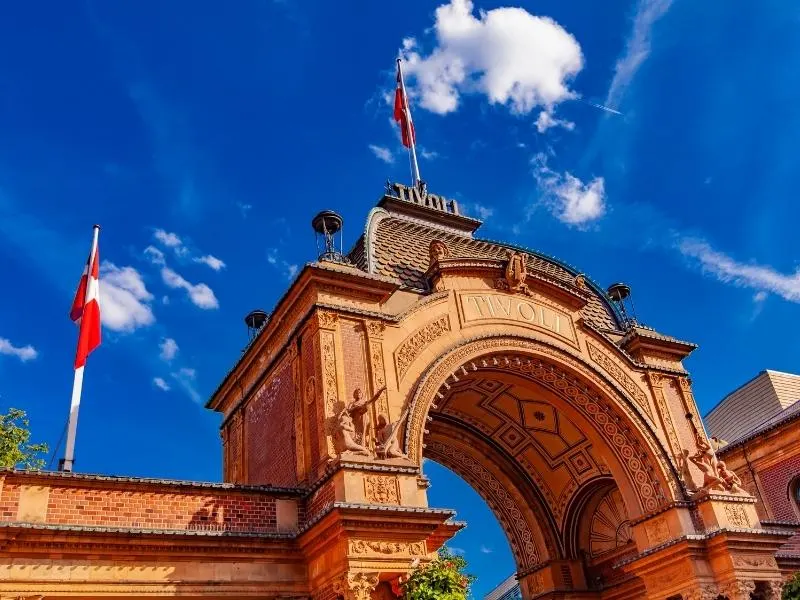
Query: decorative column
[328,327]
[356,586]
[738,589]
[701,592]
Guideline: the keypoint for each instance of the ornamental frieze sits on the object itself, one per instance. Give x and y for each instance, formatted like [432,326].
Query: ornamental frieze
[385,548]
[408,351]
[612,368]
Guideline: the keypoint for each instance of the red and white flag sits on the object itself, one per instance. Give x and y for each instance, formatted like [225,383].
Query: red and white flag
[86,306]
[402,114]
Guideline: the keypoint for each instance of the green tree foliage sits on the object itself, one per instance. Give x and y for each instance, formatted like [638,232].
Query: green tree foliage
[15,448]
[441,579]
[791,590]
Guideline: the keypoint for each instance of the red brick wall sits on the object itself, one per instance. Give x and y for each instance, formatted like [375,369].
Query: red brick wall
[320,501]
[269,429]
[775,480]
[146,506]
[355,368]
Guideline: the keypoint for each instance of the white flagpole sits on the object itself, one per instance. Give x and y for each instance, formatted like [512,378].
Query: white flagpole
[77,382]
[409,131]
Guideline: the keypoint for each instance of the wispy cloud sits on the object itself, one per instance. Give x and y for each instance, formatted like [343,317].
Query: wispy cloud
[200,294]
[24,353]
[244,208]
[169,348]
[486,550]
[170,240]
[382,153]
[753,276]
[569,199]
[124,299]
[479,210]
[275,259]
[155,255]
[428,154]
[212,261]
[161,384]
[512,57]
[547,120]
[636,51]
[185,378]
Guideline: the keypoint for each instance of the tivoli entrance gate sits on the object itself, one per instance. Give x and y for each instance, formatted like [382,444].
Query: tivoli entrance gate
[575,424]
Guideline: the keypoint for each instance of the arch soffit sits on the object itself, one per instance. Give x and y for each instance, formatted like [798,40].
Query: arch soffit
[647,471]
[525,517]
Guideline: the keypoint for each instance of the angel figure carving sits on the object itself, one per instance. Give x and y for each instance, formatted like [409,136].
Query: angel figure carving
[386,437]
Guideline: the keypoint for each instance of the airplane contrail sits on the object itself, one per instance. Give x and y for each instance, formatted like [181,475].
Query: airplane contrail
[605,108]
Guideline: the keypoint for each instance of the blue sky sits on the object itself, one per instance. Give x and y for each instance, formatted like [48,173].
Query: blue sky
[650,141]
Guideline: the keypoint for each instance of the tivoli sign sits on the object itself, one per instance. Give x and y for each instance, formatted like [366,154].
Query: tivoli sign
[486,307]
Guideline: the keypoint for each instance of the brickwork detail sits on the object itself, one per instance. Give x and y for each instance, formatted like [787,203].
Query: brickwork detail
[270,431]
[776,481]
[150,508]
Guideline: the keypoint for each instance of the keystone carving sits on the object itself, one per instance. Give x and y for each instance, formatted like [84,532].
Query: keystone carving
[356,586]
[515,275]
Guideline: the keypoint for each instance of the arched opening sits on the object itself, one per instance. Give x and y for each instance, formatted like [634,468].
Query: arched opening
[561,468]
[483,542]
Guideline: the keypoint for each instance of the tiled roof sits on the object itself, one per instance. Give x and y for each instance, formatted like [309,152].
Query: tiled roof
[787,415]
[398,247]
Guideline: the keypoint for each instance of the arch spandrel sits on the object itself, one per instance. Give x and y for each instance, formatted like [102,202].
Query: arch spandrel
[636,453]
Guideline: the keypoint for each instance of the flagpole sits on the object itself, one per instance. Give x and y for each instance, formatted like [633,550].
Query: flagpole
[409,132]
[77,383]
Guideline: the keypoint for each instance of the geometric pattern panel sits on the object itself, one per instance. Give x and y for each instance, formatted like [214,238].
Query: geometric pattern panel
[541,439]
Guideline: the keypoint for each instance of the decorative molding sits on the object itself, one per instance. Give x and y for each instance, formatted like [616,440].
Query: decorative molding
[618,373]
[385,548]
[381,489]
[754,561]
[328,347]
[706,591]
[410,348]
[738,589]
[609,528]
[327,320]
[356,586]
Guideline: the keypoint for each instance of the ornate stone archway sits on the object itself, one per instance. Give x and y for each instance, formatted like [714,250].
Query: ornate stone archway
[577,425]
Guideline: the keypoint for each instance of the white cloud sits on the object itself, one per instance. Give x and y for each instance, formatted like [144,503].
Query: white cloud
[212,261]
[546,120]
[637,49]
[569,199]
[428,154]
[124,299]
[759,297]
[512,57]
[200,294]
[382,153]
[169,348]
[24,353]
[480,211]
[155,255]
[274,259]
[161,384]
[185,378]
[170,240]
[244,208]
[727,270]
[486,550]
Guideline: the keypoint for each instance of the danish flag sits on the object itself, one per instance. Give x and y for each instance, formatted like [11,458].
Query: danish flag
[402,114]
[85,310]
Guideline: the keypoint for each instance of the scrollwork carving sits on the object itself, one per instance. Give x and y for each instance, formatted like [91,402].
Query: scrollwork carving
[381,547]
[738,589]
[613,369]
[327,320]
[414,344]
[702,592]
[736,515]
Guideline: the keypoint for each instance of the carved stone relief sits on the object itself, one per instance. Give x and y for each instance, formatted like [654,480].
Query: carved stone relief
[609,527]
[612,368]
[356,586]
[515,274]
[381,489]
[757,561]
[736,515]
[657,531]
[385,548]
[738,589]
[415,343]
[701,592]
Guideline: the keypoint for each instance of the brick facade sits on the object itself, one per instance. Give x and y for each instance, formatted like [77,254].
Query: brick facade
[776,482]
[269,428]
[136,505]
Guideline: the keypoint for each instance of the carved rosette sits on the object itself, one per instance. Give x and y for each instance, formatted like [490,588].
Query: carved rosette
[738,589]
[356,586]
